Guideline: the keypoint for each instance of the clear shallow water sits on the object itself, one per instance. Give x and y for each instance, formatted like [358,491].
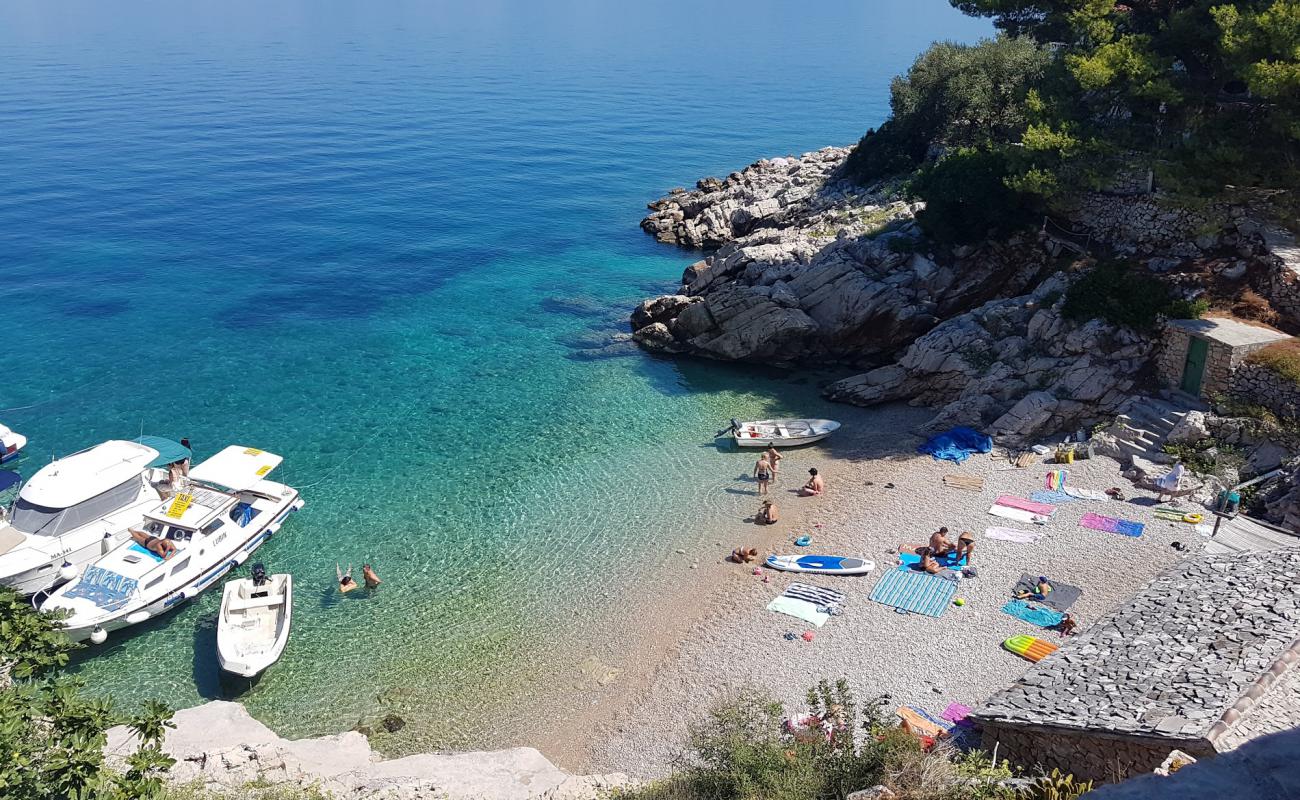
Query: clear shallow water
[374,238]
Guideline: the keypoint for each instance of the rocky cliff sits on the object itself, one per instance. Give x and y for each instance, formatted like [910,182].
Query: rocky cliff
[812,267]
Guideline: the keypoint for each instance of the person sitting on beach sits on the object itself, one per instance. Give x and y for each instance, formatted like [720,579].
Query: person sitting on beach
[346,584]
[930,565]
[774,458]
[965,546]
[162,548]
[815,485]
[1039,591]
[939,544]
[763,473]
[767,515]
[368,575]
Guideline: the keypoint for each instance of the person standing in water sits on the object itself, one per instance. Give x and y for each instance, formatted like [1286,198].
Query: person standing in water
[763,472]
[346,584]
[774,458]
[369,576]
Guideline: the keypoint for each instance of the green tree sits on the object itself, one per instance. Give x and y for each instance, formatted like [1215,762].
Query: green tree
[968,196]
[51,736]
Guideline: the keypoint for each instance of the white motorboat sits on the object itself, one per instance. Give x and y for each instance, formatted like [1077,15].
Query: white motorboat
[77,508]
[11,444]
[782,432]
[253,626]
[223,511]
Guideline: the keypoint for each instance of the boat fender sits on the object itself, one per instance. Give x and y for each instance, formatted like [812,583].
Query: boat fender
[98,636]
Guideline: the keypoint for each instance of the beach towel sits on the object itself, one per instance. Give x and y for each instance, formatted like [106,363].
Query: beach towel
[1049,497]
[1017,514]
[1014,535]
[923,722]
[799,609]
[915,592]
[144,551]
[956,445]
[1086,494]
[970,483]
[1056,479]
[1033,613]
[956,713]
[949,560]
[1124,527]
[826,598]
[107,590]
[1011,501]
[1061,598]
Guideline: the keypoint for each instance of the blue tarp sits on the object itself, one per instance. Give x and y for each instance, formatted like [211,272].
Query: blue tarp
[956,445]
[9,479]
[169,452]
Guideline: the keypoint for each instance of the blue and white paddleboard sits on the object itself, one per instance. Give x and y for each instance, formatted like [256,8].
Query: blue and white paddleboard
[824,565]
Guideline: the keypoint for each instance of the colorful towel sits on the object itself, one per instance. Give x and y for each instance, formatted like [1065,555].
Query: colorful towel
[1086,494]
[1124,527]
[799,609]
[1011,501]
[950,560]
[1014,535]
[914,591]
[1057,497]
[1018,514]
[1056,479]
[956,713]
[136,548]
[956,445]
[107,590]
[824,598]
[1061,598]
[1034,613]
[923,722]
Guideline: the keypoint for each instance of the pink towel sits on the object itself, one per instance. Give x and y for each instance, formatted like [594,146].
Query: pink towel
[1011,501]
[955,712]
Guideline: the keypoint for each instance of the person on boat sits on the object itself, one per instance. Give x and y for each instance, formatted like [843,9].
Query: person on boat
[768,514]
[939,544]
[815,485]
[162,548]
[775,458]
[763,473]
[346,584]
[369,576]
[965,546]
[185,462]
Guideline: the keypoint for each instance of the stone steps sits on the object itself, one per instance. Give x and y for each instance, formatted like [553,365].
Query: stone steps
[1142,428]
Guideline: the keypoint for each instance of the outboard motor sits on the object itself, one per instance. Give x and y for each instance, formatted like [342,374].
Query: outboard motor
[259,574]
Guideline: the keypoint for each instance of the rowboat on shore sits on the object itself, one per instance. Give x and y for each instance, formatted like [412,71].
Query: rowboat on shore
[822,565]
[781,432]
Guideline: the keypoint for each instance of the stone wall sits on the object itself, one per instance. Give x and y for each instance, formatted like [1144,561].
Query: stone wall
[1222,363]
[1141,225]
[1172,356]
[1089,756]
[1258,385]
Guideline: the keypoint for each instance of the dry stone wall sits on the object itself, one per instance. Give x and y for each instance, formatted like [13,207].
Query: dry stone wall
[1094,757]
[1261,386]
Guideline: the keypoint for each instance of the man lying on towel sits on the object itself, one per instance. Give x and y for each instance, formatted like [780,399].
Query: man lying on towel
[159,547]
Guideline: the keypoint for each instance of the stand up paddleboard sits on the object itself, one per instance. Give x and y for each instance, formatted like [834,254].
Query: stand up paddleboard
[822,565]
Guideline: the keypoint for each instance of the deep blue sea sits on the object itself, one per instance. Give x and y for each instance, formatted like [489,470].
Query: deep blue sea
[378,238]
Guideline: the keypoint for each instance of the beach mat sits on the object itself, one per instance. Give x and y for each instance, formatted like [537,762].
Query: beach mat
[1062,597]
[1025,459]
[949,560]
[1052,497]
[1014,535]
[914,591]
[970,483]
[1011,501]
[956,713]
[923,722]
[817,595]
[1017,514]
[1034,613]
[1086,494]
[1099,522]
[799,609]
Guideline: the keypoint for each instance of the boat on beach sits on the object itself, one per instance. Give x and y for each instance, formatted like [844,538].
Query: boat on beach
[11,444]
[253,626]
[77,508]
[222,511]
[822,565]
[782,432]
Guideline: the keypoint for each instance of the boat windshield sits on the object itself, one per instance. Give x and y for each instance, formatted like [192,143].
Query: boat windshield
[41,521]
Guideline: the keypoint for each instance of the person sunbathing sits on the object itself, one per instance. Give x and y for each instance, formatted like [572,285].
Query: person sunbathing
[930,565]
[768,514]
[815,485]
[162,548]
[965,546]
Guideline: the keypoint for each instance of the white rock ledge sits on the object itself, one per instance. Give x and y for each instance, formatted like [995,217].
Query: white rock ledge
[222,746]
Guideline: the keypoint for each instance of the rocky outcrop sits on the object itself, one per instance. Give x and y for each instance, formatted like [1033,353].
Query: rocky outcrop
[816,268]
[220,746]
[1015,367]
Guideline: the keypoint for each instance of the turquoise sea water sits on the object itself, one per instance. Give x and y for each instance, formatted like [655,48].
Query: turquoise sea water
[376,238]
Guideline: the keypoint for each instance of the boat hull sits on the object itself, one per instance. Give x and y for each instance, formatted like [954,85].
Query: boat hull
[782,432]
[775,442]
[229,635]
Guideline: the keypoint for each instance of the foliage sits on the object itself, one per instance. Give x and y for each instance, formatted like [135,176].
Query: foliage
[1187,309]
[1118,294]
[250,791]
[1057,786]
[51,736]
[954,95]
[967,197]
[1280,358]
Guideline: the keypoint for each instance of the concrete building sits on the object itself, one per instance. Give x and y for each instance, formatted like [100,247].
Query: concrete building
[1198,356]
[1199,660]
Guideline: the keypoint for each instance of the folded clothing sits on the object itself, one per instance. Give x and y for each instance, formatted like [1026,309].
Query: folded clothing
[1034,613]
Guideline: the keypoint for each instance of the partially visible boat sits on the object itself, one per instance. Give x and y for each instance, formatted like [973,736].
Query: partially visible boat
[253,626]
[11,444]
[223,511]
[822,565]
[782,432]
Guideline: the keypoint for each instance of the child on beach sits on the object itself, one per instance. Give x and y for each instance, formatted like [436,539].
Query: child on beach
[767,515]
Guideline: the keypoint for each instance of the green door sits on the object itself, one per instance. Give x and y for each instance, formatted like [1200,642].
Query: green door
[1194,367]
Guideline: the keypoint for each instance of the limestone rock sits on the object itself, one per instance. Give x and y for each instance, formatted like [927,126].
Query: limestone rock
[1190,429]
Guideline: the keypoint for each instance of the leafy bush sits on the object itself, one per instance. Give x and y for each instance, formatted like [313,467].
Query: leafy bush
[967,197]
[1280,358]
[1119,294]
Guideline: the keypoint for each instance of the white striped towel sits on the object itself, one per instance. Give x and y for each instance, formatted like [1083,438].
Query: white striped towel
[1086,494]
[1014,535]
[814,594]
[1018,514]
[799,609]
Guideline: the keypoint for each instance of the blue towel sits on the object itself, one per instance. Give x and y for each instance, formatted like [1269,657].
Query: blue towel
[956,445]
[914,591]
[1052,498]
[136,548]
[1038,615]
[909,560]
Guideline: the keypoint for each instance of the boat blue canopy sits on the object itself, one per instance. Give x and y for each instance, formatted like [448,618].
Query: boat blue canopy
[169,452]
[9,479]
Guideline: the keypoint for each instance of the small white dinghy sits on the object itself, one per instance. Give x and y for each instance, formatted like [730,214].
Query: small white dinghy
[254,623]
[822,565]
[782,432]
